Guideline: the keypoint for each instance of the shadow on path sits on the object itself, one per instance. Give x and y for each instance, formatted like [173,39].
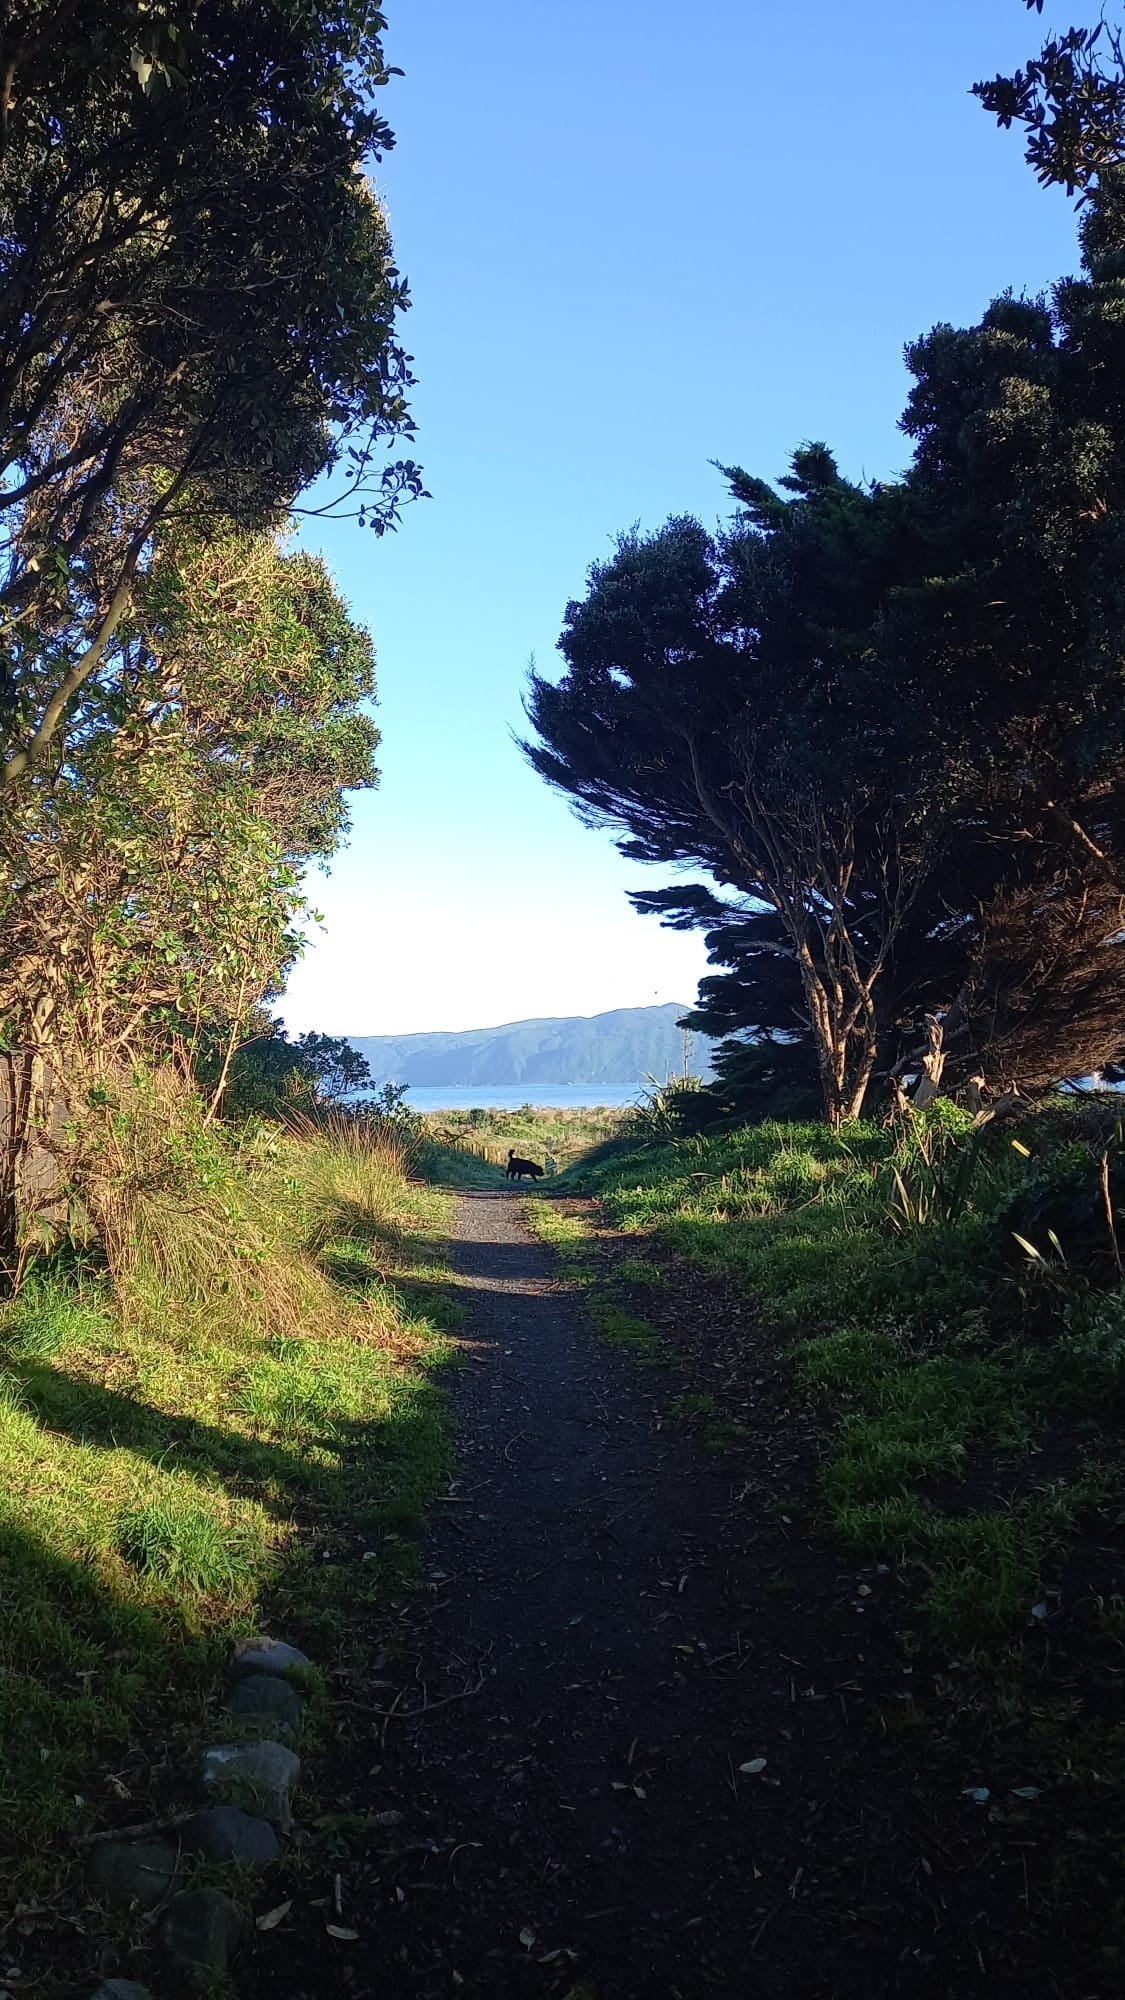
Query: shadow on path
[612,1627]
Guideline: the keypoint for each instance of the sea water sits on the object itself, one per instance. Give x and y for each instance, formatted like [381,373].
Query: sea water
[512,1096]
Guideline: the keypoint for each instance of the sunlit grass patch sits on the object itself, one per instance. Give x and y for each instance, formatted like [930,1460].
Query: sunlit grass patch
[624,1329]
[574,1241]
[181,1434]
[186,1548]
[905,1323]
[482,1137]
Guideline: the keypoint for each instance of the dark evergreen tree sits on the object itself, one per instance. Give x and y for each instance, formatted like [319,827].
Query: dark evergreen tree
[895,718]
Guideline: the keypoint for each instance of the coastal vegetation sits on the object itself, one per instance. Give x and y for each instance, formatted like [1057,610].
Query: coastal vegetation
[222,1309]
[884,720]
[884,717]
[217,1410]
[565,1135]
[944,1305]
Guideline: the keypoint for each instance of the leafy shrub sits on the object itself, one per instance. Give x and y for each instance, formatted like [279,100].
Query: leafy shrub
[1063,1208]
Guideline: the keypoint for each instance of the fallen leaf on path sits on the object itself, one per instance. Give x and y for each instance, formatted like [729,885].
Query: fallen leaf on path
[755,1765]
[338,1931]
[274,1917]
[527,1937]
[979,1794]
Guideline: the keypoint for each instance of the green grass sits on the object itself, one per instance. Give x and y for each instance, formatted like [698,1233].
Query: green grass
[203,1441]
[973,1407]
[973,1402]
[581,1264]
[533,1131]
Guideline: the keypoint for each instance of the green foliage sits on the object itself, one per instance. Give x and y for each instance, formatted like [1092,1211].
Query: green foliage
[666,1110]
[150,897]
[887,720]
[1073,1209]
[933,1184]
[1071,103]
[201,304]
[270,1075]
[910,1328]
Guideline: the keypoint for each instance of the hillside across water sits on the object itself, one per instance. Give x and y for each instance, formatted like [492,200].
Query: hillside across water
[620,1047]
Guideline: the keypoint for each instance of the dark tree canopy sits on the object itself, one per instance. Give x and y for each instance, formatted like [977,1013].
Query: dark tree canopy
[1070,100]
[891,720]
[198,302]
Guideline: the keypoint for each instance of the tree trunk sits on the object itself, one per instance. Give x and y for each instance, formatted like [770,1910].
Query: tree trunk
[15,1107]
[845,1053]
[932,1064]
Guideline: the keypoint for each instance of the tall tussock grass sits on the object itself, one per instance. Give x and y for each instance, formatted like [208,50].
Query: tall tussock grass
[193,1223]
[353,1171]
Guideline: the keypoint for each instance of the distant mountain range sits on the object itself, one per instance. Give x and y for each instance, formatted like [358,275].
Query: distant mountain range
[619,1048]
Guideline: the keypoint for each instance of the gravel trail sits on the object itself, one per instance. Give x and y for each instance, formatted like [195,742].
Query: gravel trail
[624,1742]
[589,1790]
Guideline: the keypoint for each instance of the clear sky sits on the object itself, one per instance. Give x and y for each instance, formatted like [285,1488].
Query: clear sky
[639,235]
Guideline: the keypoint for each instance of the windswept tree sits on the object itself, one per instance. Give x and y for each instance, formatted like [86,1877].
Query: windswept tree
[725,704]
[890,723]
[198,306]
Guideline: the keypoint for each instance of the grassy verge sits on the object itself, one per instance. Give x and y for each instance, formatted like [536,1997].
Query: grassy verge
[974,1398]
[235,1424]
[533,1131]
[574,1240]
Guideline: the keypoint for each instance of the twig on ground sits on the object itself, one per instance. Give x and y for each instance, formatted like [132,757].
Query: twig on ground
[600,1528]
[395,1714]
[138,1832]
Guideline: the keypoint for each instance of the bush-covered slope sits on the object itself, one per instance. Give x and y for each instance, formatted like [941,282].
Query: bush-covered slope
[621,1047]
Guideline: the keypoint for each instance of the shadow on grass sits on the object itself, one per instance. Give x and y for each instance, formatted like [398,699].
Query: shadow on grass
[270,1473]
[120,1590]
[79,1661]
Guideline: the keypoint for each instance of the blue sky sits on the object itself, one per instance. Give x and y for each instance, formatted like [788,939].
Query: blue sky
[639,236]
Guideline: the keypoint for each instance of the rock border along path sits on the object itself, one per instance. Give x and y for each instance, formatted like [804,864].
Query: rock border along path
[201,1927]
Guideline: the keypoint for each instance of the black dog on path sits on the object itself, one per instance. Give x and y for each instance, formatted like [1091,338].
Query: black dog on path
[517,1168]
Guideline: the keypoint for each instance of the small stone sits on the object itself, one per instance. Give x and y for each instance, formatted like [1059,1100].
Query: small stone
[258,1777]
[201,1930]
[269,1703]
[267,1656]
[123,1872]
[222,1833]
[122,1989]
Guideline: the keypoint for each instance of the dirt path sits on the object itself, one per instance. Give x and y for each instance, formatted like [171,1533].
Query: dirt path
[613,1624]
[575,1579]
